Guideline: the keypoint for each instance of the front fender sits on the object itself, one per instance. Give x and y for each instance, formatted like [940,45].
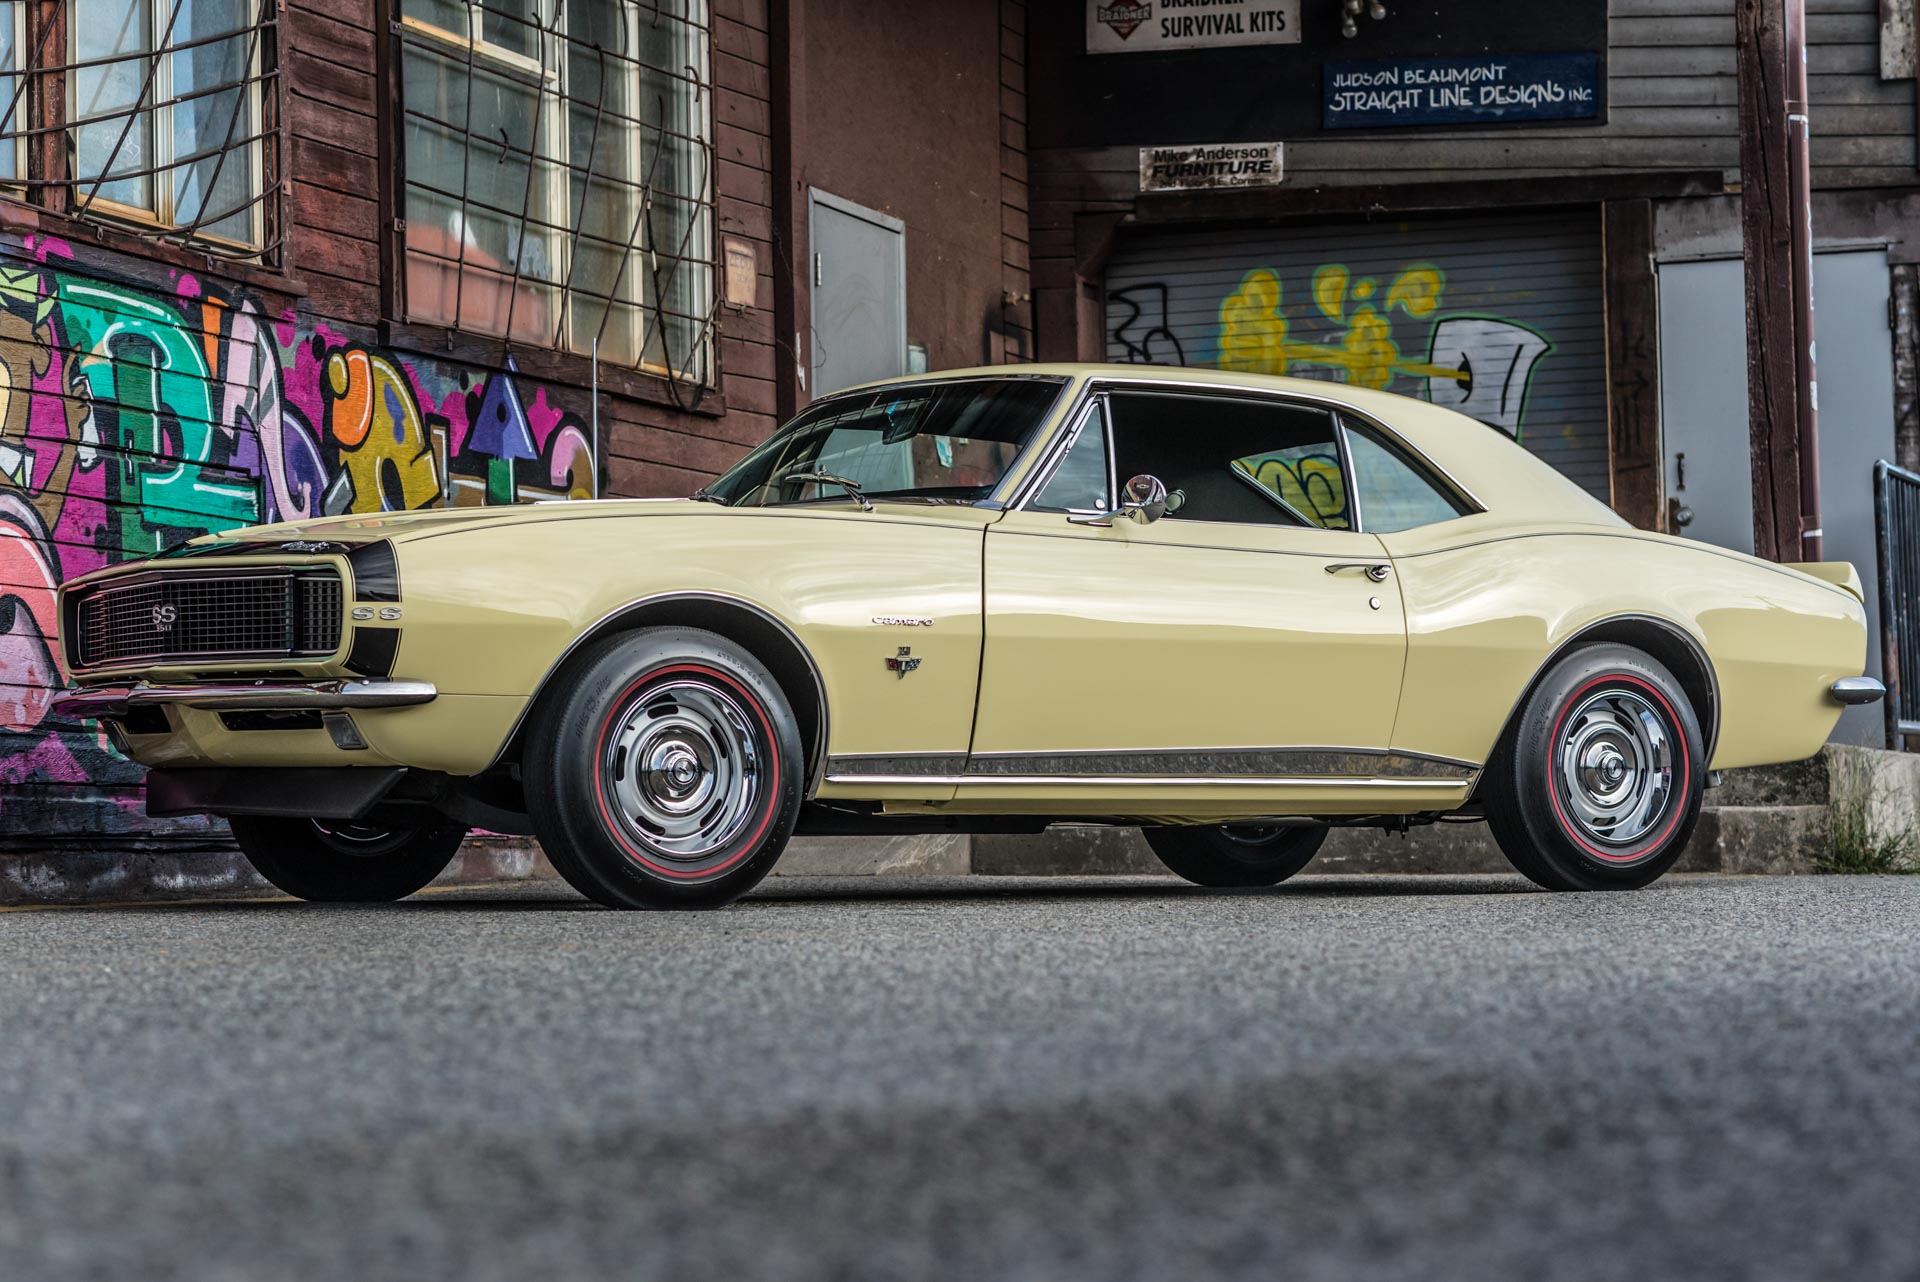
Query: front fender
[488,612]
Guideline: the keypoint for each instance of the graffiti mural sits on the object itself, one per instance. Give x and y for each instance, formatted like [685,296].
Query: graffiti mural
[1498,315]
[1143,334]
[133,418]
[1479,365]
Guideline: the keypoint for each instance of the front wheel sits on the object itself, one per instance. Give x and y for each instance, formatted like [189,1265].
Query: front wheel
[1236,854]
[1598,784]
[345,863]
[665,772]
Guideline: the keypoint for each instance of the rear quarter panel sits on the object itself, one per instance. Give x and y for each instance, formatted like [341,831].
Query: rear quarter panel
[1488,603]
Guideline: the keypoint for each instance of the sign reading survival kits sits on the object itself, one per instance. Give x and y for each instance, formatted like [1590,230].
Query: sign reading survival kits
[1464,90]
[1153,26]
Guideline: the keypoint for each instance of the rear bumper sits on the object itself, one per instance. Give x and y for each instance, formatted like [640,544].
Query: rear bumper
[117,701]
[1857,690]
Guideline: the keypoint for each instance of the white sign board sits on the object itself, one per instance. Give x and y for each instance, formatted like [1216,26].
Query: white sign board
[1210,165]
[1155,26]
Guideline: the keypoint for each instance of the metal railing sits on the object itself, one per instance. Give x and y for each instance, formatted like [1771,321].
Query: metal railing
[1896,528]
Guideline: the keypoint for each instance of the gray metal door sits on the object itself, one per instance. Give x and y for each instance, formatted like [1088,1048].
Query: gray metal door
[1500,317]
[1703,413]
[859,294]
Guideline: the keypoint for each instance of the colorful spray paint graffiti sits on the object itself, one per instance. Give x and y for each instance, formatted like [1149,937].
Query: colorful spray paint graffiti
[1480,365]
[131,419]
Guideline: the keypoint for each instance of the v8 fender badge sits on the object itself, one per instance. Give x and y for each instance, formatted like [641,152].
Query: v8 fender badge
[903,662]
[901,621]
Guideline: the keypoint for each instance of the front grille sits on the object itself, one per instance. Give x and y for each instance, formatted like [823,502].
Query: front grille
[169,617]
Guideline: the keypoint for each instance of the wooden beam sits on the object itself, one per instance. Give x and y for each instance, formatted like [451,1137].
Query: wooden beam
[1286,204]
[1766,221]
[792,283]
[1633,362]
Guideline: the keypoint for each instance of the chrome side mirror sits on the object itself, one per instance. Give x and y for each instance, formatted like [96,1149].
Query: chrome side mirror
[1143,499]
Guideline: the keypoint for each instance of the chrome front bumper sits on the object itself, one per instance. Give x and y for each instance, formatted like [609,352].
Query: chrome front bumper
[1856,690]
[117,701]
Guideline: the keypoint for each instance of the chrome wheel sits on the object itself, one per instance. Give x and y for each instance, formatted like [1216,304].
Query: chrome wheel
[1615,761]
[682,769]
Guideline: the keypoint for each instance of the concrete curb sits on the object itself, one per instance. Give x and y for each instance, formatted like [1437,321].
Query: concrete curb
[1773,821]
[158,872]
[1726,842]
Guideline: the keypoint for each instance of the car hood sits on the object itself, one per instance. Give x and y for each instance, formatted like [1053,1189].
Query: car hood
[423,524]
[402,527]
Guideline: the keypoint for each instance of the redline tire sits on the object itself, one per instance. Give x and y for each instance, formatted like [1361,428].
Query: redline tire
[1598,784]
[1227,855]
[345,863]
[666,773]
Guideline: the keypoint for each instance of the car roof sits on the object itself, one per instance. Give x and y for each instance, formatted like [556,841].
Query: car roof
[1495,470]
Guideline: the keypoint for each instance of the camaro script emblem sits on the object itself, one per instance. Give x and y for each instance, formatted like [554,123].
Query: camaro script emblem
[163,617]
[903,663]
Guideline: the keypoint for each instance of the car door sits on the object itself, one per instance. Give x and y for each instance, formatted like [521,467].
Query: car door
[1250,634]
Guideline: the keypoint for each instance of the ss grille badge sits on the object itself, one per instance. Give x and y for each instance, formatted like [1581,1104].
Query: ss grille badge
[164,617]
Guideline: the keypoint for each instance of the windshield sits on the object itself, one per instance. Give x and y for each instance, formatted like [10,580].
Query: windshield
[932,442]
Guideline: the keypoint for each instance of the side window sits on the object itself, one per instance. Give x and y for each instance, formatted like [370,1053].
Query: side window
[1079,484]
[1395,492]
[1237,461]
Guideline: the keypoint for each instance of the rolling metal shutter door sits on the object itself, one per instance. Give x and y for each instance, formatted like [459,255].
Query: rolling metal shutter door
[1499,317]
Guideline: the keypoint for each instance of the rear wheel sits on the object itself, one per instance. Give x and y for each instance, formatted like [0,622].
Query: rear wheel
[1598,783]
[666,773]
[1236,854]
[345,863]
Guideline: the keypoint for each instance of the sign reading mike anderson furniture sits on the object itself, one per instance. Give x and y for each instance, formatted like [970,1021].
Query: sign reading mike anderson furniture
[1155,26]
[1210,165]
[1470,89]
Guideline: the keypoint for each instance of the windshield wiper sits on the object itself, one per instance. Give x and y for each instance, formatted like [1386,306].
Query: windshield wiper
[828,478]
[704,495]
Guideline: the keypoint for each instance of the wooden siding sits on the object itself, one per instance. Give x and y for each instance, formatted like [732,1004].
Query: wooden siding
[1672,106]
[651,445]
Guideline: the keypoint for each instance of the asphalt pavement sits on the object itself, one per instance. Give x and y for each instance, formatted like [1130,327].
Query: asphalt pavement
[1372,1078]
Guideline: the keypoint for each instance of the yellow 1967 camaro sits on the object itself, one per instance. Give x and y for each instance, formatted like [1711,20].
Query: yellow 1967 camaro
[1231,610]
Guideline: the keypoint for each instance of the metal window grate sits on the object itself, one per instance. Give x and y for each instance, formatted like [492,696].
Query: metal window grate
[167,618]
[159,116]
[1896,521]
[559,175]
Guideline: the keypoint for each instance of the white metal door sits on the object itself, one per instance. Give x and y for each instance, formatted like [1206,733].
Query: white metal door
[1703,414]
[859,275]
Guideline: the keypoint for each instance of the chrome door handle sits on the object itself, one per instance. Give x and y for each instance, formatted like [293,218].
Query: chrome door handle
[1375,570]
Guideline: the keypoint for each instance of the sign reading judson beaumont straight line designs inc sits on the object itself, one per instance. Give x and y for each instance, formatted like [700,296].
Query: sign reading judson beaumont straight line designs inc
[1465,90]
[1155,26]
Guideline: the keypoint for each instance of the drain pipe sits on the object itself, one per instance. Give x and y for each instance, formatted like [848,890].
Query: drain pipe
[593,447]
[1806,389]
